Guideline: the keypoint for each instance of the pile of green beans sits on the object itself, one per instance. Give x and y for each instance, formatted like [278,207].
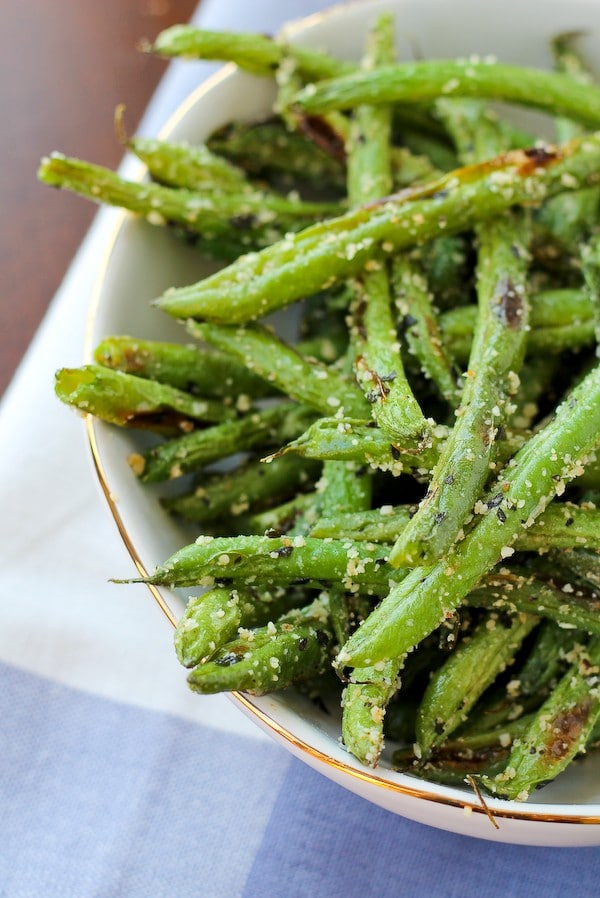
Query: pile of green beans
[397,512]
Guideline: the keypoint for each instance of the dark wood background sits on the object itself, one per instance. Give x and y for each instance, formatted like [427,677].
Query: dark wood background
[64,67]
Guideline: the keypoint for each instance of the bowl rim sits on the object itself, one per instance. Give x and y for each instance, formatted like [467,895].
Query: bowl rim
[410,787]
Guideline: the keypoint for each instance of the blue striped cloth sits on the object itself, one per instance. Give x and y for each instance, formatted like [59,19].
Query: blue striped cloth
[115,781]
[104,800]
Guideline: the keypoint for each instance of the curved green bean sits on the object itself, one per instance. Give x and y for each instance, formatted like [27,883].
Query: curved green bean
[185,367]
[339,248]
[294,648]
[192,451]
[214,618]
[131,401]
[253,485]
[559,731]
[278,559]
[419,82]
[263,353]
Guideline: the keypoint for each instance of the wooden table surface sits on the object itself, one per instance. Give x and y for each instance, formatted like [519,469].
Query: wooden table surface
[64,67]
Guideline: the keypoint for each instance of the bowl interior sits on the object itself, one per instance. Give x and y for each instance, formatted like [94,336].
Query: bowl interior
[142,261]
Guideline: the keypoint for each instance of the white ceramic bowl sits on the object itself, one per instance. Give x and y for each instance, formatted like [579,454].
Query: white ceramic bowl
[142,261]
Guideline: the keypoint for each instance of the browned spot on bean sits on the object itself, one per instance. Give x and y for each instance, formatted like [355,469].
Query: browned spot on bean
[380,381]
[133,359]
[537,157]
[566,729]
[509,306]
[320,131]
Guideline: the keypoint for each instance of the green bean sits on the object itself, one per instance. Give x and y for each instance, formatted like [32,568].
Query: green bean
[251,559]
[420,327]
[527,688]
[214,618]
[188,368]
[453,769]
[297,646]
[468,746]
[339,248]
[572,216]
[191,166]
[223,221]
[419,603]
[254,485]
[564,338]
[561,526]
[420,82]
[378,364]
[131,401]
[559,731]
[496,356]
[255,53]
[455,687]
[347,439]
[339,613]
[364,701]
[195,450]
[516,592]
[342,487]
[378,525]
[265,354]
[196,168]
[369,161]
